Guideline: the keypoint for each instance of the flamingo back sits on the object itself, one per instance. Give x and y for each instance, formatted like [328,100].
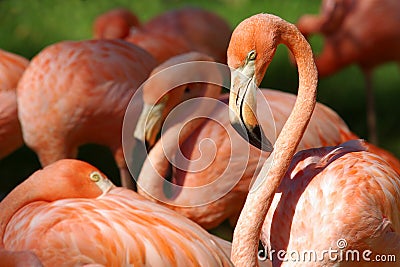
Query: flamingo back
[76,92]
[119,228]
[11,69]
[335,193]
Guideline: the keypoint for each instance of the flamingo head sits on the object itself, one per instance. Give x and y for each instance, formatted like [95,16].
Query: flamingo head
[70,178]
[160,96]
[169,84]
[251,49]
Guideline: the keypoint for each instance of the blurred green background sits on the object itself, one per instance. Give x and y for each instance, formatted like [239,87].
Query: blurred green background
[27,26]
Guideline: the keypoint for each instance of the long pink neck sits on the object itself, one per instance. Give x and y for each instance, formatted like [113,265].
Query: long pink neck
[248,228]
[156,167]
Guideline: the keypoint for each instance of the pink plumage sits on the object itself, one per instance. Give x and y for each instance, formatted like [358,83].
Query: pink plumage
[12,67]
[75,93]
[70,214]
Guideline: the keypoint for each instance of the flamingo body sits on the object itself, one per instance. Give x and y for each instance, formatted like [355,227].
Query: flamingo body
[132,231]
[340,192]
[12,67]
[116,228]
[75,93]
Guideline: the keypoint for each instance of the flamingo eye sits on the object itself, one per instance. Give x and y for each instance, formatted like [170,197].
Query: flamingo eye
[251,55]
[95,177]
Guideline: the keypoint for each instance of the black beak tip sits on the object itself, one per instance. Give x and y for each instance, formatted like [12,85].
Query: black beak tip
[148,146]
[254,136]
[259,140]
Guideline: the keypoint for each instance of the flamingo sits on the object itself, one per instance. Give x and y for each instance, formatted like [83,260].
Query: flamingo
[185,29]
[11,68]
[121,23]
[362,32]
[325,128]
[115,24]
[319,196]
[70,214]
[76,92]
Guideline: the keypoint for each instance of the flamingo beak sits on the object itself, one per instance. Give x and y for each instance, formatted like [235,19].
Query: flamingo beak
[149,124]
[242,110]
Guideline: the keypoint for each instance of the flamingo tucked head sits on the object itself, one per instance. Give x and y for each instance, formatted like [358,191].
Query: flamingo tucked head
[249,57]
[70,178]
[67,178]
[114,24]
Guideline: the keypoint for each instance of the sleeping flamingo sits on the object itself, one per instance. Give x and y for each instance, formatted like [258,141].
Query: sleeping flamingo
[362,32]
[74,93]
[328,194]
[226,169]
[188,28]
[11,68]
[121,23]
[70,214]
[115,24]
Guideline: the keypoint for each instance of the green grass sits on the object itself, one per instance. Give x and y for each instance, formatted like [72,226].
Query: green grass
[27,26]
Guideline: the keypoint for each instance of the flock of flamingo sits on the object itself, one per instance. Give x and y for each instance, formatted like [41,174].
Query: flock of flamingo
[317,182]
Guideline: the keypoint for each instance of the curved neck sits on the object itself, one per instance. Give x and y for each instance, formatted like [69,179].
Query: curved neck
[248,229]
[157,166]
[201,73]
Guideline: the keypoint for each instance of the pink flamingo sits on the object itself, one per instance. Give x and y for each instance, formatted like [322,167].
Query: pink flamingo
[11,68]
[74,93]
[188,28]
[325,128]
[362,32]
[114,24]
[70,214]
[121,23]
[328,194]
